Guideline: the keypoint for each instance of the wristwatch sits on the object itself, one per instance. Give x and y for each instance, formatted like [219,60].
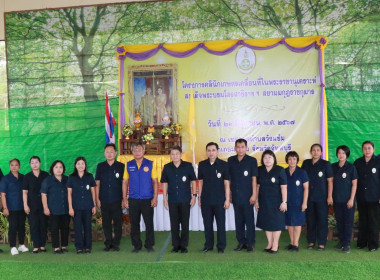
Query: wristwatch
[284,202]
[194,194]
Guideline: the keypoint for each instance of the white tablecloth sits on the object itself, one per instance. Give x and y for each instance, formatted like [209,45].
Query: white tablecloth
[162,222]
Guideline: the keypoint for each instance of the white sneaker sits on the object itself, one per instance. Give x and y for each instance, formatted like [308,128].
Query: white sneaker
[14,251]
[23,249]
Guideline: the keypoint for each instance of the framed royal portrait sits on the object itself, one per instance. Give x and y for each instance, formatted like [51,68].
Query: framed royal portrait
[153,91]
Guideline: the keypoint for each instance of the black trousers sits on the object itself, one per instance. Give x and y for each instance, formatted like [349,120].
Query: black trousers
[138,207]
[179,216]
[209,212]
[112,212]
[368,225]
[82,228]
[317,222]
[16,221]
[60,228]
[38,227]
[245,218]
[344,221]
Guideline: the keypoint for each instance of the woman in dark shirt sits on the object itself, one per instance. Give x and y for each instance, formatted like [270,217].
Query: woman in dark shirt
[298,191]
[345,183]
[81,196]
[11,193]
[271,205]
[54,201]
[321,177]
[33,204]
[368,197]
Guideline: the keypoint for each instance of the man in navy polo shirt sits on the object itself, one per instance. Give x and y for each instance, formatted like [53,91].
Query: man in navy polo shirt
[243,172]
[109,180]
[179,184]
[140,182]
[214,197]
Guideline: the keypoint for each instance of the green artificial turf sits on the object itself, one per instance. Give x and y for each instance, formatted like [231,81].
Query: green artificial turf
[162,264]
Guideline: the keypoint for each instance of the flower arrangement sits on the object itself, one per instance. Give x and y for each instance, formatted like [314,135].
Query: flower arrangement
[147,137]
[127,130]
[166,131]
[176,127]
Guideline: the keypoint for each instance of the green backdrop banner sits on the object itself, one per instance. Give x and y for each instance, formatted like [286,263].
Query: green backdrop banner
[55,132]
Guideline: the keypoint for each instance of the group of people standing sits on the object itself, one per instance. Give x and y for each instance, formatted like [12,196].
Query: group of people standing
[282,197]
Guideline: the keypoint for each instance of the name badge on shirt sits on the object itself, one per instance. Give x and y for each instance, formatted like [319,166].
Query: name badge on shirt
[373,170]
[320,174]
[246,173]
[344,175]
[218,175]
[184,178]
[146,169]
[117,175]
[273,180]
[87,187]
[298,183]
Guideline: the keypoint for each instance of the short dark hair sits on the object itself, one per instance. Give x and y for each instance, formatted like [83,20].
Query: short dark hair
[345,149]
[136,144]
[292,154]
[75,171]
[316,144]
[212,144]
[54,164]
[368,142]
[15,159]
[35,157]
[110,145]
[175,147]
[268,152]
[241,140]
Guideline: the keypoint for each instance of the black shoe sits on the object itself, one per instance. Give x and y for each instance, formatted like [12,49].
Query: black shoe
[43,250]
[79,252]
[240,247]
[295,249]
[1,251]
[107,248]
[360,247]
[175,250]
[57,252]
[267,250]
[88,251]
[36,251]
[250,249]
[273,252]
[320,248]
[373,249]
[184,250]
[64,250]
[136,250]
[220,251]
[205,250]
[289,247]
[339,246]
[116,248]
[310,246]
[346,249]
[150,250]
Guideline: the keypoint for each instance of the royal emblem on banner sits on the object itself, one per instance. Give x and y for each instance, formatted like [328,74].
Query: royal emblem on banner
[245,60]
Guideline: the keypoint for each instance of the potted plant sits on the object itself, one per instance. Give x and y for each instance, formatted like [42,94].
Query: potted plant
[147,138]
[127,131]
[166,131]
[176,127]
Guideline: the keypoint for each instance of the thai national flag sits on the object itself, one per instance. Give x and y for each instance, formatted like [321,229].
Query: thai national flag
[110,123]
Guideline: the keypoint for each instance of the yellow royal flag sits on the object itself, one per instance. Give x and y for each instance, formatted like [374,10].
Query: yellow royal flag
[191,120]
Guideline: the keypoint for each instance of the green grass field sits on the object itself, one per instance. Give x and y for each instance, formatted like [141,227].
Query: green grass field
[162,264]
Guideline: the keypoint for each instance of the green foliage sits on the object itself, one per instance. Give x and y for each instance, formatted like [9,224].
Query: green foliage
[4,227]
